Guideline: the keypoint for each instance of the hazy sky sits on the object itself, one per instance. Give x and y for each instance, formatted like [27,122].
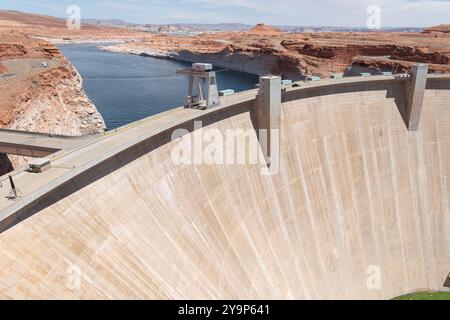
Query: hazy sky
[394,13]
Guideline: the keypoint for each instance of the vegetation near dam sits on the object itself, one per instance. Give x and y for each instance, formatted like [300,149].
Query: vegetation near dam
[426,296]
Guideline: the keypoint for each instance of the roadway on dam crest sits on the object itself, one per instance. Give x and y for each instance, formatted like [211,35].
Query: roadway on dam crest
[82,153]
[30,144]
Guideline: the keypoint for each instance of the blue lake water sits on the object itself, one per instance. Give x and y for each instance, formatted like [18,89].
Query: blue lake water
[126,87]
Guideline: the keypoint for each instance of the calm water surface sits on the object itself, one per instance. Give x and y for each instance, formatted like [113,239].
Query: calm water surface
[126,87]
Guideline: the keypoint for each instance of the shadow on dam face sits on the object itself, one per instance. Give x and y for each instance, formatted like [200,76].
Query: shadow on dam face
[360,209]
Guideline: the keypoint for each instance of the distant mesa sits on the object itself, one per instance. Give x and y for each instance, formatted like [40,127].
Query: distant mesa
[262,28]
[442,28]
[21,19]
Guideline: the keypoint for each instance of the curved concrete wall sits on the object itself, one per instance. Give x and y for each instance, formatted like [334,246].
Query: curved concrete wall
[357,196]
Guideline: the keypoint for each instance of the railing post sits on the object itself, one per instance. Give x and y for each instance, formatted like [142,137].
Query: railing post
[13,187]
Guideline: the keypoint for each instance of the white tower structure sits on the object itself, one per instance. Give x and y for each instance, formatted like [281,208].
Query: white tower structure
[202,86]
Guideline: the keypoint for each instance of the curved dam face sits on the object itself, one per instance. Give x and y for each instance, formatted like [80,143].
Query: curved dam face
[359,209]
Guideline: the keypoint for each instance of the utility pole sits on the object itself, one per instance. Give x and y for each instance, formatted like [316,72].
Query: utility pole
[14,193]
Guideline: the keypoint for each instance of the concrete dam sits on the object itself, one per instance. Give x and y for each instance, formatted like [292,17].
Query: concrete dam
[359,209]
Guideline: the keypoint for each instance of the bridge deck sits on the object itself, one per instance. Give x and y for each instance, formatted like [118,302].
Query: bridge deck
[38,145]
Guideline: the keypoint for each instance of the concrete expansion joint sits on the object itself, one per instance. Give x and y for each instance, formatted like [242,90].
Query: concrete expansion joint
[415,92]
[268,117]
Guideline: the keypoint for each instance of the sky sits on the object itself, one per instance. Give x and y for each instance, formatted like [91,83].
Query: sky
[339,13]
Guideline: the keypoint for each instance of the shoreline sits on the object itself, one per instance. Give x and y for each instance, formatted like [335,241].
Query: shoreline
[59,40]
[215,58]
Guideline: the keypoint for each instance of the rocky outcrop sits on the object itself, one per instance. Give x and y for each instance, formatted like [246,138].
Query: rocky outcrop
[263,29]
[42,95]
[56,103]
[15,45]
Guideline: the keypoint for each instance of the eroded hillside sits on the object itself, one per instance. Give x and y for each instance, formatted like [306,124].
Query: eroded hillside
[42,91]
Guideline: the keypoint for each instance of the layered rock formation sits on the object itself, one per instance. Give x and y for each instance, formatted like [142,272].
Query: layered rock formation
[263,29]
[42,92]
[56,30]
[266,49]
[444,28]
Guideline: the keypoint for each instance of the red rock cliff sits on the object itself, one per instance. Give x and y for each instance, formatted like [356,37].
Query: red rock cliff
[42,91]
[265,50]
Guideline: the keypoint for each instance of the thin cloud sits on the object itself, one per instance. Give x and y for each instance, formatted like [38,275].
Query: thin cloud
[348,13]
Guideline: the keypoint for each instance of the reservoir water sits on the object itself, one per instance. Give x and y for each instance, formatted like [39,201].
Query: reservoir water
[126,87]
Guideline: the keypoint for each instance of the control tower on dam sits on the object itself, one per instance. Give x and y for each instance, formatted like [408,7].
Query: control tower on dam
[357,205]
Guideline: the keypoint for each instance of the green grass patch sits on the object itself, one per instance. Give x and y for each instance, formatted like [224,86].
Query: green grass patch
[426,296]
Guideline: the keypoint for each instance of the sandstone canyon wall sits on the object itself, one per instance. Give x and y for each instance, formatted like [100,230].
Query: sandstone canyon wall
[264,50]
